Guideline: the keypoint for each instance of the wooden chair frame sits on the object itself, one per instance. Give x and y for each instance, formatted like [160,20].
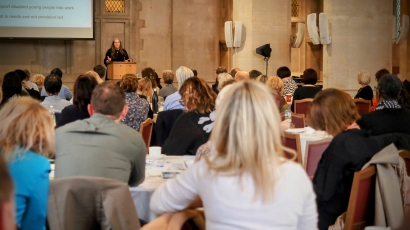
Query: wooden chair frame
[310,100]
[310,143]
[296,137]
[350,223]
[298,116]
[362,101]
[147,124]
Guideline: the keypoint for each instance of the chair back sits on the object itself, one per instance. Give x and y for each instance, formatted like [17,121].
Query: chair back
[361,203]
[164,123]
[405,154]
[292,141]
[298,120]
[84,203]
[362,105]
[187,219]
[314,152]
[146,132]
[302,106]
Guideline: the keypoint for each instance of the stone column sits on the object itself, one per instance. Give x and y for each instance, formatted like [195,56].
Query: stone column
[361,33]
[265,21]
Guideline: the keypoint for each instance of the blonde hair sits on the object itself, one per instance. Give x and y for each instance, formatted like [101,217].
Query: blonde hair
[38,79]
[247,136]
[26,125]
[94,75]
[145,87]
[275,83]
[364,77]
[262,78]
[223,77]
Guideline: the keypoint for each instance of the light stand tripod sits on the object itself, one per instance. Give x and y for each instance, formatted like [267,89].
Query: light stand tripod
[266,59]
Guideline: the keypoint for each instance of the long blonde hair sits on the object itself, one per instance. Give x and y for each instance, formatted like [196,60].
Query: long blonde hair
[95,76]
[145,88]
[247,136]
[26,125]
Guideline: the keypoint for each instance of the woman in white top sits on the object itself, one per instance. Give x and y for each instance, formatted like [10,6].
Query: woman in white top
[245,183]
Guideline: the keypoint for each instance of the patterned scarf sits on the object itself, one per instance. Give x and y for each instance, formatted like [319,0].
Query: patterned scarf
[392,104]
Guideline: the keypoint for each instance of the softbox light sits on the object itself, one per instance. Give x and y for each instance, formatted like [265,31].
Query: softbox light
[264,50]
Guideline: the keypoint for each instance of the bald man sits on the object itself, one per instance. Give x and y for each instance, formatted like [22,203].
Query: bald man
[241,75]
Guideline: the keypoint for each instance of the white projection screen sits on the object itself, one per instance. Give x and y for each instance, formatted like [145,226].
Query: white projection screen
[59,19]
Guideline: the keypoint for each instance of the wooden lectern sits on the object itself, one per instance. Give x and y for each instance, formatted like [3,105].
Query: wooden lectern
[115,70]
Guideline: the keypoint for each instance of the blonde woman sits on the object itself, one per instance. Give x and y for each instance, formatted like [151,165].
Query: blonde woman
[145,88]
[38,79]
[365,92]
[94,75]
[245,183]
[27,140]
[222,78]
[276,85]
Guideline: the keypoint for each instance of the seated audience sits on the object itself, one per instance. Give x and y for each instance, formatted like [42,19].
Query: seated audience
[100,70]
[222,78]
[308,90]
[379,74]
[83,88]
[365,92]
[192,128]
[27,140]
[172,101]
[150,74]
[64,93]
[388,116]
[234,71]
[276,85]
[262,78]
[100,146]
[289,85]
[32,84]
[195,72]
[241,75]
[253,74]
[95,76]
[38,79]
[11,87]
[53,84]
[168,76]
[7,210]
[27,87]
[144,90]
[404,95]
[334,111]
[244,184]
[219,70]
[137,107]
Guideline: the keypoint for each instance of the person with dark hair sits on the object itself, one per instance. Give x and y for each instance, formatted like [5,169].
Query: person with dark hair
[379,74]
[404,95]
[64,93]
[83,88]
[137,107]
[53,84]
[195,72]
[116,53]
[234,71]
[389,116]
[289,85]
[32,84]
[7,212]
[11,87]
[253,74]
[113,150]
[334,111]
[308,90]
[23,78]
[192,128]
[168,76]
[100,70]
[152,76]
[219,70]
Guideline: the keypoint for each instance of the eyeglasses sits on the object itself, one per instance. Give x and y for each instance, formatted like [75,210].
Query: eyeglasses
[182,102]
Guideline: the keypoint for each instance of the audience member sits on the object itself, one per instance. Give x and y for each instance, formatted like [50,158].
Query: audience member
[144,90]
[262,78]
[99,146]
[100,70]
[172,101]
[38,79]
[195,72]
[222,78]
[219,70]
[11,87]
[253,74]
[192,128]
[64,93]
[276,85]
[27,87]
[83,88]
[404,96]
[234,71]
[27,140]
[334,111]
[32,84]
[289,85]
[53,84]
[308,90]
[150,74]
[7,209]
[251,177]
[365,92]
[137,107]
[241,75]
[168,76]
[95,75]
[379,74]
[389,116]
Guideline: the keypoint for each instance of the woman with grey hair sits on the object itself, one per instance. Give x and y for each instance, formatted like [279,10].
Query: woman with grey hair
[365,92]
[172,101]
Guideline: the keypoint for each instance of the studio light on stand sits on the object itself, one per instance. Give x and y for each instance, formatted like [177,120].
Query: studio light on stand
[265,51]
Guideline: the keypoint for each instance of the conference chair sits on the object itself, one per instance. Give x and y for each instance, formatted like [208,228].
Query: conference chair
[298,120]
[362,105]
[146,132]
[84,203]
[164,123]
[314,152]
[360,209]
[302,106]
[292,141]
[405,154]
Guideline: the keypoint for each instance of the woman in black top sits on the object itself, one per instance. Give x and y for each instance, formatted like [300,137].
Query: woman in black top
[308,90]
[116,53]
[365,92]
